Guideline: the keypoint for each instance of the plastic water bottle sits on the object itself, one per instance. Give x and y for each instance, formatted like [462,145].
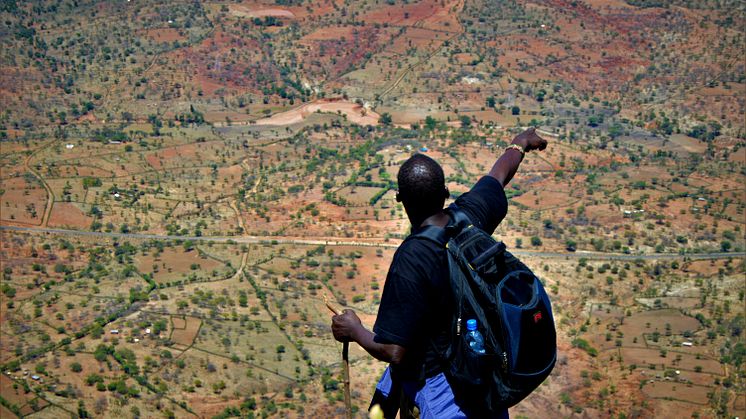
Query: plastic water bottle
[473,337]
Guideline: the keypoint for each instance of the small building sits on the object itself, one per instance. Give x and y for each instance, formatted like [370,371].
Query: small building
[114,331]
[69,146]
[631,213]
[35,377]
[687,344]
[147,331]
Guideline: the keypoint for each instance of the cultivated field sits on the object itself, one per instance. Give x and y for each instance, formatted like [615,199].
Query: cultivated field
[183,184]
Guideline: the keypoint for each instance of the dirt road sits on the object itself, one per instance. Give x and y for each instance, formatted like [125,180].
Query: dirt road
[336,241]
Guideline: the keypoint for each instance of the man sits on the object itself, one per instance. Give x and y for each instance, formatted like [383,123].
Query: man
[413,317]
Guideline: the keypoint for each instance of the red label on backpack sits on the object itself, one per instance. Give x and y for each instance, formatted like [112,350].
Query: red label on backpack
[537,316]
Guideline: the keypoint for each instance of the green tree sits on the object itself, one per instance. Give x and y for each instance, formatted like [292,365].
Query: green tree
[430,123]
[616,130]
[465,122]
[89,182]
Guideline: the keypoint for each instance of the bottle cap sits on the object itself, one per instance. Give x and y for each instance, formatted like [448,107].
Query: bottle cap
[471,324]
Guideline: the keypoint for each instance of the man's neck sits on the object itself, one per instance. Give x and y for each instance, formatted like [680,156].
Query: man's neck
[439,219]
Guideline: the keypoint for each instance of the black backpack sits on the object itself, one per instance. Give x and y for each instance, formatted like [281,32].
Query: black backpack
[513,313]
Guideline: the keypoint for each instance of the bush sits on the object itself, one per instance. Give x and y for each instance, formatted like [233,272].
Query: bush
[584,345]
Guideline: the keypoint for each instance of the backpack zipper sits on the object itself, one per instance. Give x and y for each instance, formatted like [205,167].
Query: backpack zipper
[504,340]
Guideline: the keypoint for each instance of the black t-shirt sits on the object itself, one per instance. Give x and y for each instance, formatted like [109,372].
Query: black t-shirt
[416,305]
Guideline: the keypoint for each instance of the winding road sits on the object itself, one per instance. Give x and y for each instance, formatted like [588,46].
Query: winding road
[50,195]
[459,5]
[335,241]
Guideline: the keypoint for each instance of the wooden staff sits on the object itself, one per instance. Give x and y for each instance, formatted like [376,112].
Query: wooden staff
[345,361]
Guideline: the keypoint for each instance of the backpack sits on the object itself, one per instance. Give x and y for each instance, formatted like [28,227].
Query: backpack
[513,313]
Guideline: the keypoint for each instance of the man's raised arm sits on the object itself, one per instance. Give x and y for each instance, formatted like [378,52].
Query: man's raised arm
[506,166]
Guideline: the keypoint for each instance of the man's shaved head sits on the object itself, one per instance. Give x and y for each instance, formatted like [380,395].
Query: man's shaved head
[422,187]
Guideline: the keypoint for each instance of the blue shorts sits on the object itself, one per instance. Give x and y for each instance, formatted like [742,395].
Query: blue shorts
[434,399]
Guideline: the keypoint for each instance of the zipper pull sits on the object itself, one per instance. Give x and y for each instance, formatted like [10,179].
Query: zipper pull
[458,326]
[505,362]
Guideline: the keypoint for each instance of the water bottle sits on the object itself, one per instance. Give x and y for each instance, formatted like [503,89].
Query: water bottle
[473,337]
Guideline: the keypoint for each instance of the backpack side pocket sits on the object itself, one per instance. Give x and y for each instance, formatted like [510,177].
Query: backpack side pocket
[528,322]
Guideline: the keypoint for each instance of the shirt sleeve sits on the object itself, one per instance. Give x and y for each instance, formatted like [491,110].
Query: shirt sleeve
[485,204]
[407,294]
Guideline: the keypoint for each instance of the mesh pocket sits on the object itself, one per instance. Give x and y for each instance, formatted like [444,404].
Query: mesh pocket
[470,368]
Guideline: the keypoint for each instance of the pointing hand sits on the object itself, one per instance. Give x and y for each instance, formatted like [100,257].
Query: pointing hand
[530,140]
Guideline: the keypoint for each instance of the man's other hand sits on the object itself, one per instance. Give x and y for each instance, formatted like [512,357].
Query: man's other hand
[344,325]
[530,140]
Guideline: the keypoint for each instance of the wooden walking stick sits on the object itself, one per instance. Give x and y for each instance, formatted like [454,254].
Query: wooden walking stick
[345,361]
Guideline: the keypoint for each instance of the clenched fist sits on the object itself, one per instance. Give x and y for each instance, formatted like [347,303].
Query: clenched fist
[529,140]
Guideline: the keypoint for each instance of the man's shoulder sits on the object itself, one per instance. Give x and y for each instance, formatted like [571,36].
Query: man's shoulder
[486,185]
[415,249]
[414,243]
[485,204]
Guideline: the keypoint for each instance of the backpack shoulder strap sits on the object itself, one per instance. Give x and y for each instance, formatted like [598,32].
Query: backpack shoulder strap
[459,220]
[440,235]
